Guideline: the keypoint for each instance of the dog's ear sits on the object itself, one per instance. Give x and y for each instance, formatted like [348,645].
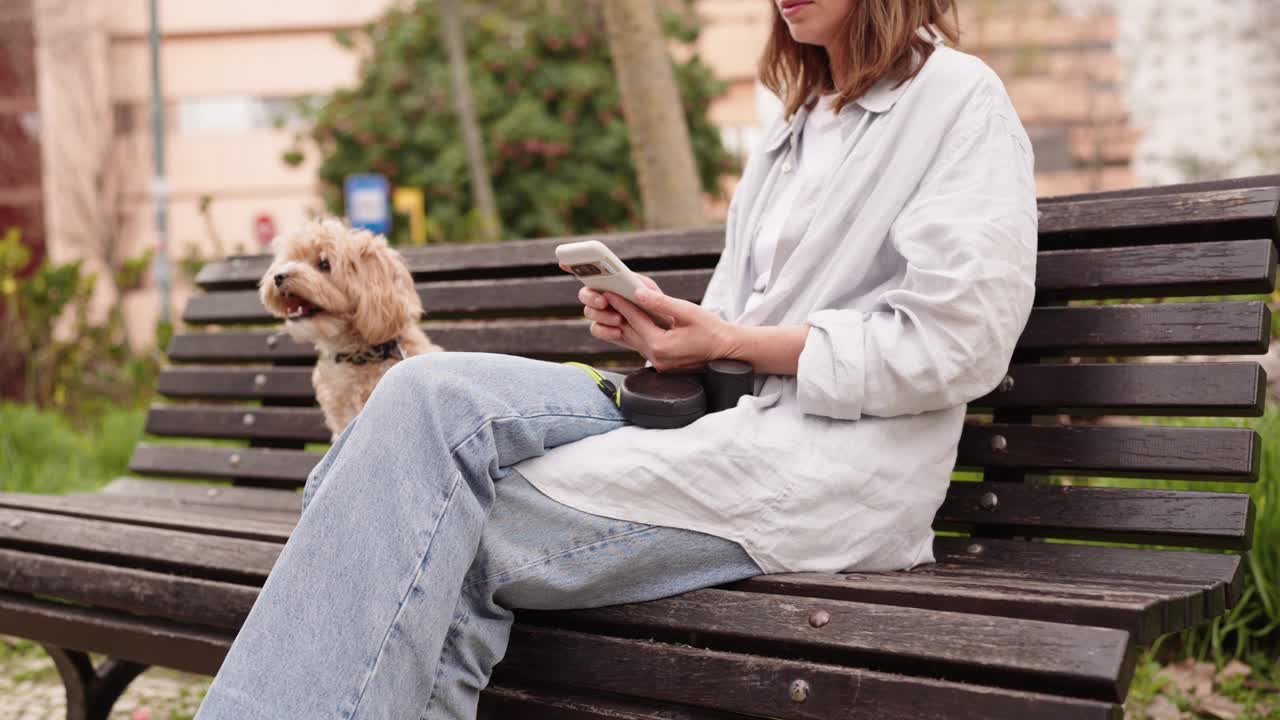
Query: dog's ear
[388,301]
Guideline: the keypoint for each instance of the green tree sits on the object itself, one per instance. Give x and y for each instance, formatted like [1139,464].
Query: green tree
[546,98]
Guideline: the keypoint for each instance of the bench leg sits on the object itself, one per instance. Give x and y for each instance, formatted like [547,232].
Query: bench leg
[91,691]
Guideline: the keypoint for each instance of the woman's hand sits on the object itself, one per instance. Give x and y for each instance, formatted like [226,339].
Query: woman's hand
[693,338]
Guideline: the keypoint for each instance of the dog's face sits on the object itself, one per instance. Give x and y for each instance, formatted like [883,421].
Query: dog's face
[338,287]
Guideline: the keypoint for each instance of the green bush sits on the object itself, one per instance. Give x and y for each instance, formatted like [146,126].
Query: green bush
[40,450]
[92,368]
[547,103]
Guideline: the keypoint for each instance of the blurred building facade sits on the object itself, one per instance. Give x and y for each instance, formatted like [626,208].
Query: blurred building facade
[231,69]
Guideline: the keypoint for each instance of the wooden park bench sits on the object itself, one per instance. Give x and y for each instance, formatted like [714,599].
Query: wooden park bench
[1009,623]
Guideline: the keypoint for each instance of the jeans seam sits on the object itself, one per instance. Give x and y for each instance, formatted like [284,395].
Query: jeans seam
[455,630]
[563,553]
[404,599]
[489,421]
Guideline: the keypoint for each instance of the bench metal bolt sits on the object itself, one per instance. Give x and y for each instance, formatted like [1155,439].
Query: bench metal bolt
[999,443]
[16,523]
[799,691]
[259,380]
[1006,384]
[818,618]
[989,501]
[975,549]
[248,418]
[234,460]
[272,340]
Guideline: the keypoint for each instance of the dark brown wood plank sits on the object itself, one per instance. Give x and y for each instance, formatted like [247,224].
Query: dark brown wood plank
[88,506]
[258,383]
[521,296]
[285,469]
[1210,268]
[1232,214]
[255,498]
[505,703]
[1220,574]
[205,509]
[1202,389]
[1163,517]
[1141,610]
[1183,388]
[760,686]
[1226,213]
[1081,660]
[172,597]
[1252,181]
[118,635]
[130,546]
[645,250]
[1231,454]
[1158,329]
[212,421]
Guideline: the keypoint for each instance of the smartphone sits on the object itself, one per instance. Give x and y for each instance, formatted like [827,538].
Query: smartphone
[592,262]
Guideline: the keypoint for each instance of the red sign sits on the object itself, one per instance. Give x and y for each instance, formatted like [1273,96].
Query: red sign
[264,228]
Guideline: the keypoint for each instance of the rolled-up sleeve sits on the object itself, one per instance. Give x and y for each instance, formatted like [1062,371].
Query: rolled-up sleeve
[944,335]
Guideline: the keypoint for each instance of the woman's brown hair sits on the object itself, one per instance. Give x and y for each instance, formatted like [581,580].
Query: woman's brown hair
[883,42]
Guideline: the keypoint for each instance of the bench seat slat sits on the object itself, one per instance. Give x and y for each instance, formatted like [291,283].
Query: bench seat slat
[1166,517]
[1158,329]
[1235,389]
[195,554]
[563,658]
[1143,606]
[1207,569]
[502,703]
[1212,268]
[1159,452]
[173,597]
[149,641]
[1145,609]
[88,506]
[759,685]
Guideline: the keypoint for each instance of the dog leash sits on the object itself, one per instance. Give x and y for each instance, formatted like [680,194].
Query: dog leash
[611,391]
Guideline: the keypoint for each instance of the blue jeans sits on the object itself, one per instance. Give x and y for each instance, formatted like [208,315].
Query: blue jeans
[393,597]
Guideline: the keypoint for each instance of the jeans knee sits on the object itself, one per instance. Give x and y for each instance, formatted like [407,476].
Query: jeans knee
[439,379]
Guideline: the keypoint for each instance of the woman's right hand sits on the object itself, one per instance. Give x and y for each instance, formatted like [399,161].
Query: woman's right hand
[606,323]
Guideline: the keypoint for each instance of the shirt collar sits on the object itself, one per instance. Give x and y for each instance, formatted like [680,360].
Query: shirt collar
[879,99]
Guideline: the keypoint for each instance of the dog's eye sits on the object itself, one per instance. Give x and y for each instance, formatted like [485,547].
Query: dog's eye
[323,265]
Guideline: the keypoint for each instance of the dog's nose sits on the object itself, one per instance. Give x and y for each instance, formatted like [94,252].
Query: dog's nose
[280,279]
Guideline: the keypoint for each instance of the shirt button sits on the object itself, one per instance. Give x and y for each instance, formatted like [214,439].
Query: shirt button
[786,166]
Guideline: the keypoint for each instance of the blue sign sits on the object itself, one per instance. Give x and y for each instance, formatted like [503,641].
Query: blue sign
[368,200]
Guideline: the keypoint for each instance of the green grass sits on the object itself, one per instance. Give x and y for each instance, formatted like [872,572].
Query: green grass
[40,451]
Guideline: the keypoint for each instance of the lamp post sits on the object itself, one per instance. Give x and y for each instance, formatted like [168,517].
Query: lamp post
[159,184]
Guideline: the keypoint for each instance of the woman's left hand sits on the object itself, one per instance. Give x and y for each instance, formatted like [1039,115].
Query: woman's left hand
[695,338]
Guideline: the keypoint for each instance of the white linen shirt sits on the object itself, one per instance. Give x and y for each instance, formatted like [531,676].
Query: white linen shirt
[914,269]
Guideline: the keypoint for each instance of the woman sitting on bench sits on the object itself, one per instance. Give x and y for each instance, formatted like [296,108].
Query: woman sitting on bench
[878,269]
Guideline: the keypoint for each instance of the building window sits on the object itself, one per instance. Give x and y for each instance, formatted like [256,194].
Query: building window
[237,113]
